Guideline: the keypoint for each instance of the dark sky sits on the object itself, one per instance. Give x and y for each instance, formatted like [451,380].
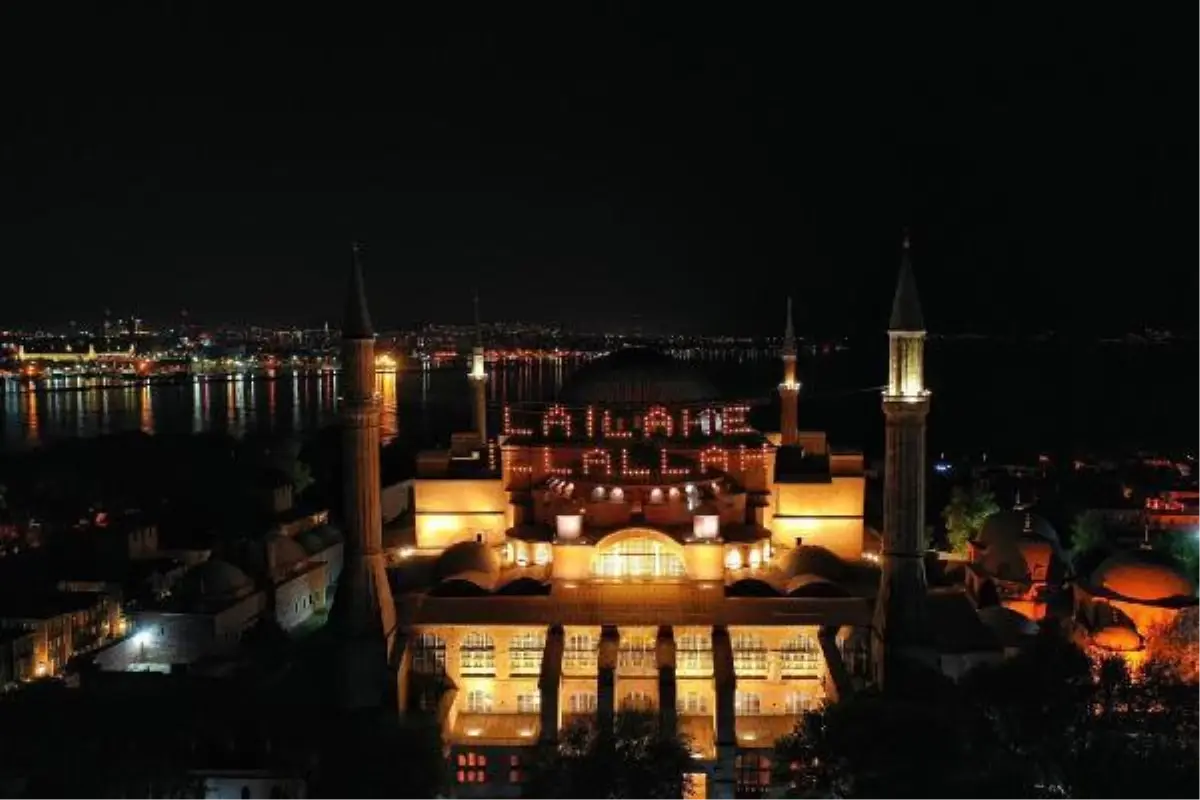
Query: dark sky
[684,167]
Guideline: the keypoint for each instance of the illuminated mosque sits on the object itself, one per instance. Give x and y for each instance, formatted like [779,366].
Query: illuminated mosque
[638,545]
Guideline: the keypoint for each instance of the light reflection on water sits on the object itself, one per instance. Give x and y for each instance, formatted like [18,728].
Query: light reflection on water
[424,400]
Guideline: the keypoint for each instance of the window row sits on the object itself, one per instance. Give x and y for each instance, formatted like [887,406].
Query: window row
[477,654]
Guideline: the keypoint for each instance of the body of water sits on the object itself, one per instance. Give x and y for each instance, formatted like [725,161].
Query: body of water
[1007,399]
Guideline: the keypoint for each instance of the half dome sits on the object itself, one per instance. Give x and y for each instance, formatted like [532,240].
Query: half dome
[1142,575]
[1118,638]
[637,376]
[468,561]
[816,561]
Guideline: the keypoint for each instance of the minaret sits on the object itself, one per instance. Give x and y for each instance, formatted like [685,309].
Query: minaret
[478,378]
[789,390]
[900,625]
[363,617]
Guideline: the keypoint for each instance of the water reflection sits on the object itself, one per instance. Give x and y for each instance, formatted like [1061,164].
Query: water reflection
[423,402]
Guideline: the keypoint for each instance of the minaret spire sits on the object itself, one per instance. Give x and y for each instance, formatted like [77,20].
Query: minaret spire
[363,617]
[906,305]
[901,627]
[356,322]
[789,389]
[478,380]
[789,332]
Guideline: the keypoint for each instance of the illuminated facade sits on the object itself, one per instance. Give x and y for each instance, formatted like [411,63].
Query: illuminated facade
[635,545]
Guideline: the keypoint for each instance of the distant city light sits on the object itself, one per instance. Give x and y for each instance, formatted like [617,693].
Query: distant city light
[143,638]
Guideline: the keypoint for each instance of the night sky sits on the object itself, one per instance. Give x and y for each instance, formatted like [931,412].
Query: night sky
[680,169]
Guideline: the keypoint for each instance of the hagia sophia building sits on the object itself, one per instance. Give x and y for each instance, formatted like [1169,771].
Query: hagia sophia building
[638,545]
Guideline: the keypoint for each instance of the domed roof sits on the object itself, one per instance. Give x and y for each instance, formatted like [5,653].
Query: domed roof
[328,534]
[214,579]
[287,552]
[468,561]
[311,542]
[815,561]
[1142,575]
[1118,638]
[1008,526]
[810,585]
[1010,626]
[637,376]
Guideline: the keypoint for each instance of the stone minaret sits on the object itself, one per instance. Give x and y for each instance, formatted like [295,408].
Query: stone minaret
[789,390]
[900,625]
[478,378]
[363,617]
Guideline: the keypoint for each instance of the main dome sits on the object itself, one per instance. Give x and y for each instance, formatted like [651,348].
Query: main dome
[637,376]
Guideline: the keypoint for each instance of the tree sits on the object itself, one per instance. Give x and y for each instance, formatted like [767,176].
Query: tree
[1183,548]
[1048,722]
[1088,534]
[1175,647]
[633,759]
[964,515]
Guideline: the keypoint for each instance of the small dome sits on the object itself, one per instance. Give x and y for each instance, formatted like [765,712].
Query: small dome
[1011,627]
[328,534]
[814,586]
[812,560]
[637,376]
[286,551]
[469,561]
[215,580]
[751,587]
[1118,638]
[1009,526]
[311,542]
[1142,575]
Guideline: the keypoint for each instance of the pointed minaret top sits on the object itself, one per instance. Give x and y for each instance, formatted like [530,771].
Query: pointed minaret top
[356,323]
[478,326]
[789,332]
[906,307]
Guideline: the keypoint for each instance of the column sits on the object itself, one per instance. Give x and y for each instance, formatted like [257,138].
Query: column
[664,654]
[606,677]
[724,782]
[550,685]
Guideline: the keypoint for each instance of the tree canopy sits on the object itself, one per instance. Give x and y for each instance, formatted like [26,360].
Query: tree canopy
[1046,723]
[964,515]
[633,759]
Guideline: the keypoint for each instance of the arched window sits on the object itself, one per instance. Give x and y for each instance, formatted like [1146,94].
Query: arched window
[747,704]
[429,655]
[693,654]
[525,653]
[636,654]
[749,655]
[638,557]
[799,655]
[637,701]
[798,702]
[580,653]
[479,702]
[478,654]
[582,703]
[692,703]
[710,422]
